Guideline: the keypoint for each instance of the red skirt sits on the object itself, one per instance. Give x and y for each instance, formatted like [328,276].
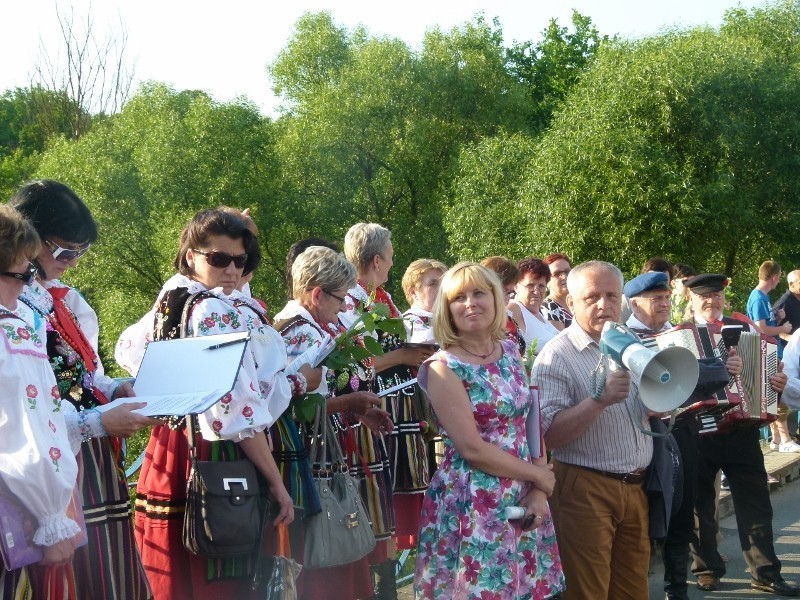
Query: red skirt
[173,572]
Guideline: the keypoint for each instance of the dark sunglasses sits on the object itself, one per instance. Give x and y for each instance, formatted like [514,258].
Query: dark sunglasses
[223,259]
[27,277]
[66,254]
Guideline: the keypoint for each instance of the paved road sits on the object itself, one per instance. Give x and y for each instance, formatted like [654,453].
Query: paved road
[736,584]
[786,527]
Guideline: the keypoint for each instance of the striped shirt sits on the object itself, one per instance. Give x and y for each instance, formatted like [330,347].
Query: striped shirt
[612,442]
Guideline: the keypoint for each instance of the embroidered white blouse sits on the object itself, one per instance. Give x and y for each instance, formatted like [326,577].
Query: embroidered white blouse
[36,460]
[261,392]
[419,325]
[301,336]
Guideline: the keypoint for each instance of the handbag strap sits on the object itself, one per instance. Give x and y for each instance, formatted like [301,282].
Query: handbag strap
[324,438]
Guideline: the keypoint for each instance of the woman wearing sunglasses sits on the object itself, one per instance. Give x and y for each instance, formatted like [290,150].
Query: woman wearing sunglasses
[37,465]
[108,567]
[216,250]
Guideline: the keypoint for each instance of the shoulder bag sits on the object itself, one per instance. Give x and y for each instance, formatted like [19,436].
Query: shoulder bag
[341,532]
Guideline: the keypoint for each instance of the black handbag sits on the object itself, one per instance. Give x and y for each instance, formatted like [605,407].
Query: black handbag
[223,518]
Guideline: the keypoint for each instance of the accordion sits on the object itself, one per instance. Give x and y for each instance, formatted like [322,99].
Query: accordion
[748,398]
[759,354]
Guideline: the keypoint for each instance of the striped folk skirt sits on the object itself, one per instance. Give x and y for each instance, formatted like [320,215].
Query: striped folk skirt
[108,567]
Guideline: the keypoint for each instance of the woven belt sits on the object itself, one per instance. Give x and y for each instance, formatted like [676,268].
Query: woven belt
[633,478]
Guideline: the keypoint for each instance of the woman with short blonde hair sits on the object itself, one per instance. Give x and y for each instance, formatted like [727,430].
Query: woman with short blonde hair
[464,275]
[479,392]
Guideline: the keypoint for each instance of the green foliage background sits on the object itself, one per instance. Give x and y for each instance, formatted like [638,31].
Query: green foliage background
[683,144]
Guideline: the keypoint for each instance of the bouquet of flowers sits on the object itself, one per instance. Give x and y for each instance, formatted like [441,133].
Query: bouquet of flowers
[353,345]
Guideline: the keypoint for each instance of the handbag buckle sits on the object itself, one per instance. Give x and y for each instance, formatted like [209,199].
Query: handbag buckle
[227,481]
[351,520]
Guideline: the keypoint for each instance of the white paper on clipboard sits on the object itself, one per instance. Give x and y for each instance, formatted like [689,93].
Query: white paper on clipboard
[187,375]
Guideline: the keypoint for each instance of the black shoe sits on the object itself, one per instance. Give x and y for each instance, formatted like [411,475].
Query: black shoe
[779,588]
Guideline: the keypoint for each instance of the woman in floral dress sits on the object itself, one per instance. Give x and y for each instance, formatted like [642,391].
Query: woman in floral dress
[479,391]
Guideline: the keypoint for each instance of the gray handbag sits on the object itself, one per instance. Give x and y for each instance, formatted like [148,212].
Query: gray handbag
[341,532]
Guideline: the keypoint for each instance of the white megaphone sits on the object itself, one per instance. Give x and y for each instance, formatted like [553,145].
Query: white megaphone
[666,378]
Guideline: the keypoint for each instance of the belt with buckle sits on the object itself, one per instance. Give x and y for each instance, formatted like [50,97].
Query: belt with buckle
[633,478]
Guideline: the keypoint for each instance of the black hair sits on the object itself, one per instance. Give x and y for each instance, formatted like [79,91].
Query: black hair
[217,221]
[55,210]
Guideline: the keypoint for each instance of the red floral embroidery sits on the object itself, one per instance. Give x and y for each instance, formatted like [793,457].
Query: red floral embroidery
[226,399]
[24,333]
[247,412]
[217,427]
[55,454]
[226,318]
[55,393]
[209,322]
[31,391]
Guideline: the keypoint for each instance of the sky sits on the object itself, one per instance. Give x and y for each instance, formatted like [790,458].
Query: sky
[224,47]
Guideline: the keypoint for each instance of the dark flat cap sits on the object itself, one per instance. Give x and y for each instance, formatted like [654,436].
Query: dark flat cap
[654,280]
[706,283]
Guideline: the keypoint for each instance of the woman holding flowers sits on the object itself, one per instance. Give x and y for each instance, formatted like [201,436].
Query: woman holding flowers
[320,279]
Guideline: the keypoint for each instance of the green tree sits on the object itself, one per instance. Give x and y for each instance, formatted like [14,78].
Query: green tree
[682,145]
[372,129]
[550,67]
[29,117]
[144,173]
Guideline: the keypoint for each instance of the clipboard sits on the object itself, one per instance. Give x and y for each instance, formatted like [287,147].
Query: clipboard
[186,375]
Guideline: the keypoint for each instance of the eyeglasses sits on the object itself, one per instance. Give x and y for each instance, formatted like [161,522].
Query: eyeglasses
[223,259]
[27,277]
[66,254]
[332,295]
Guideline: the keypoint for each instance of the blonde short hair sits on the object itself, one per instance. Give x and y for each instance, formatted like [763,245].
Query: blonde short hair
[413,275]
[365,241]
[456,280]
[319,266]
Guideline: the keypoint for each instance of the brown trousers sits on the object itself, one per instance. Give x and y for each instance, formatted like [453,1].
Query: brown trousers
[601,525]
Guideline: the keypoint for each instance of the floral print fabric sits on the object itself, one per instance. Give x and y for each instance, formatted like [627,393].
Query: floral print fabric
[467,548]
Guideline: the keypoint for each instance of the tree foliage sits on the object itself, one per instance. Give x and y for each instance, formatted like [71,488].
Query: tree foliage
[550,67]
[683,145]
[372,129]
[145,172]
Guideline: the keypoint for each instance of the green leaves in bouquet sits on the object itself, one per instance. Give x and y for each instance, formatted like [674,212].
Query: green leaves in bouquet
[305,406]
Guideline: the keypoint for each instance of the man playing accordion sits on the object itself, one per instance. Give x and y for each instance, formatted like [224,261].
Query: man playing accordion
[737,452]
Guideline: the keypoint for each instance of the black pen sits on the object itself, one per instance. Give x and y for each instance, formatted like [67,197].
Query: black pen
[231,343]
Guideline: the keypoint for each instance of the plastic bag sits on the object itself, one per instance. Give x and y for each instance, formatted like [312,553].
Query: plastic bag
[282,584]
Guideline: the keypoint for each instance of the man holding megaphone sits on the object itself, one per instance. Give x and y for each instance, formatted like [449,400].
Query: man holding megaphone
[600,456]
